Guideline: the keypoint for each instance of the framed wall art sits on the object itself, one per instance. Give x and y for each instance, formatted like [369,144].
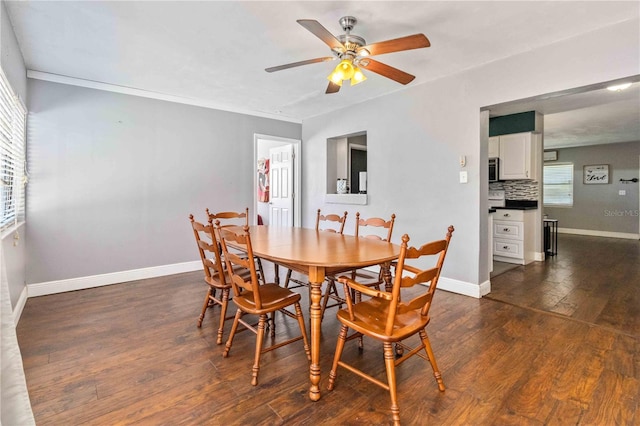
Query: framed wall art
[596,174]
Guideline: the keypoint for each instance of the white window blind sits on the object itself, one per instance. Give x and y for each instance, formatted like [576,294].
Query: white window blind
[12,155]
[558,185]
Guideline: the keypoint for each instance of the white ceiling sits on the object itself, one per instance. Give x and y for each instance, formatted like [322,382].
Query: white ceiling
[215,52]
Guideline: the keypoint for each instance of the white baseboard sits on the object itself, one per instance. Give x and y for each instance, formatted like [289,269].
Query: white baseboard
[464,288]
[17,311]
[593,233]
[80,283]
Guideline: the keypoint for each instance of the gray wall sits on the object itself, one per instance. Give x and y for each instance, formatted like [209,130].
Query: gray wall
[416,136]
[114,178]
[600,207]
[14,69]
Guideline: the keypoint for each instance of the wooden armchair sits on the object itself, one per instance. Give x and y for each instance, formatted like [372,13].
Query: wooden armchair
[236,219]
[255,299]
[387,318]
[214,272]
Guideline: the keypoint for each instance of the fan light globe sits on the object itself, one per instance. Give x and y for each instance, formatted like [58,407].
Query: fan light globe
[345,70]
[358,76]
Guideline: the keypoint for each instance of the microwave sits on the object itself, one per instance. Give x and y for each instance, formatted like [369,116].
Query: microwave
[494,169]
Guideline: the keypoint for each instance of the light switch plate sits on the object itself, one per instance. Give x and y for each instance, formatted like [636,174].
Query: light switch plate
[463,177]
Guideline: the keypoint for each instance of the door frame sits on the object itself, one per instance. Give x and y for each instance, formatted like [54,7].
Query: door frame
[297,175]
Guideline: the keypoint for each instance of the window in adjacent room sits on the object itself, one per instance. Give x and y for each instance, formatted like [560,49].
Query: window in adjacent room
[558,185]
[12,155]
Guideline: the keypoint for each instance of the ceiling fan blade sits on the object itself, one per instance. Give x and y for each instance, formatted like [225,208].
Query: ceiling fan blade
[386,71]
[297,64]
[415,41]
[332,88]
[322,33]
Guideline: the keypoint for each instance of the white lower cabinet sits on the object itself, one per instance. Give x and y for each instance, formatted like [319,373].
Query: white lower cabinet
[513,239]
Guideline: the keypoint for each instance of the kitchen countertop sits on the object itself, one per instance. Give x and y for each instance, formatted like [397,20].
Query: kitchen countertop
[519,205]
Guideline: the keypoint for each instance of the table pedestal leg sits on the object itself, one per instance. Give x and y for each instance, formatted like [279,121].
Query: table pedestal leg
[316,277]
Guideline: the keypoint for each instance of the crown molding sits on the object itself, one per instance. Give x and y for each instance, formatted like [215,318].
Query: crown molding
[72,81]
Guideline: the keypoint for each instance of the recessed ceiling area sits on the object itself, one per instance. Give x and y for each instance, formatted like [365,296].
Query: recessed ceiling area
[585,116]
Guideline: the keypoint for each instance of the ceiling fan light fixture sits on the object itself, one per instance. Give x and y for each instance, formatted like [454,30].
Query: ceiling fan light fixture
[345,71]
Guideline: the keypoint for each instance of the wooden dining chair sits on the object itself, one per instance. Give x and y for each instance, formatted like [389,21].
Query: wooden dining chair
[236,219]
[329,223]
[253,298]
[389,319]
[375,228]
[214,273]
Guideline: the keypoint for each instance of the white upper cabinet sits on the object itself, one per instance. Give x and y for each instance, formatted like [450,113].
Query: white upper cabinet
[518,159]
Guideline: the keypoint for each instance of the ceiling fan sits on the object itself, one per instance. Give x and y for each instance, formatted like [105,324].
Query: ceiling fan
[354,53]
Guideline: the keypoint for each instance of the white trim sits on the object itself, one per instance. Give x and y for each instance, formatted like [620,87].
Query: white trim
[464,288]
[593,233]
[17,311]
[297,174]
[346,199]
[72,81]
[80,283]
[538,256]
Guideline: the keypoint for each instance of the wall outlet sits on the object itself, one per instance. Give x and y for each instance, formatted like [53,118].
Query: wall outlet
[463,177]
[622,192]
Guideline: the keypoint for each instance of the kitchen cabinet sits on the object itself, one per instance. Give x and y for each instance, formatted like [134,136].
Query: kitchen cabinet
[494,147]
[513,236]
[519,156]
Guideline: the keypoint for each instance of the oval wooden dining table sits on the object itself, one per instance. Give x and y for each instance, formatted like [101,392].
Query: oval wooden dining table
[319,254]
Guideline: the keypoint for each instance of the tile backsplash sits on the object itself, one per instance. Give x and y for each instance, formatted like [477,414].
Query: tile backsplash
[517,189]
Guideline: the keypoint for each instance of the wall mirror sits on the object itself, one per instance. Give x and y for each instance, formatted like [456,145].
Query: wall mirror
[347,164]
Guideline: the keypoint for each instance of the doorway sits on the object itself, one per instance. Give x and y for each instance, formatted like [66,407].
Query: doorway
[276,180]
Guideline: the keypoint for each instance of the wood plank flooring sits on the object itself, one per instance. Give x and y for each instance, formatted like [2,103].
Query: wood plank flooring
[556,343]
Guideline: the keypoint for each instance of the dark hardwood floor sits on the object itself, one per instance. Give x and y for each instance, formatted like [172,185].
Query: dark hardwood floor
[555,343]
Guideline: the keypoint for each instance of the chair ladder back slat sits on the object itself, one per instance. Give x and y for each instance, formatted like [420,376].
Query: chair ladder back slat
[338,221]
[230,216]
[375,222]
[213,262]
[244,262]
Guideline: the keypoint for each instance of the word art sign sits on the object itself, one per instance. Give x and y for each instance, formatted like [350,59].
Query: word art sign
[598,173]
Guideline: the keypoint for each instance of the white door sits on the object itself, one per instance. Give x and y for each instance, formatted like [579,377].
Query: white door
[281,186]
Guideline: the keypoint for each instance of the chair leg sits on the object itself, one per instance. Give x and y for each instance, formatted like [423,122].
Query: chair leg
[432,359]
[331,288]
[223,314]
[259,262]
[259,339]
[205,306]
[271,324]
[303,330]
[342,338]
[389,362]
[287,279]
[232,333]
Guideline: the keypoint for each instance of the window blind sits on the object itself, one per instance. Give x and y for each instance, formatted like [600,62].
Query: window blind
[558,185]
[12,155]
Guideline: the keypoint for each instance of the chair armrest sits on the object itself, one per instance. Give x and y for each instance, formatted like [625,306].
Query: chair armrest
[369,291]
[410,268]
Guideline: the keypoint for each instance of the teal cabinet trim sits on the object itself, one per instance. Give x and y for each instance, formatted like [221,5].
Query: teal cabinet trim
[513,123]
